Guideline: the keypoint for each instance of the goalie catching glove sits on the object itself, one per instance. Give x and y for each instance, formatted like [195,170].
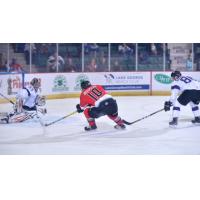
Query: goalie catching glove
[78,108]
[40,100]
[167,105]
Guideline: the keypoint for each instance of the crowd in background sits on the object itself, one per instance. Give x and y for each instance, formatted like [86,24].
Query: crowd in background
[93,57]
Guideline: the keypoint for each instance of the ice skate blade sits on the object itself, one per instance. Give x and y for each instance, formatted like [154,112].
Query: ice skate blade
[119,127]
[195,123]
[173,126]
[90,128]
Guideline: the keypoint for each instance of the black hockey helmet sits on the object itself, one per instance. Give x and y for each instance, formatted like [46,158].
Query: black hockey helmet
[176,74]
[85,84]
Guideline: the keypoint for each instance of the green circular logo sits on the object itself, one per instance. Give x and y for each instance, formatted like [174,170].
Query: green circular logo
[60,83]
[78,80]
[162,78]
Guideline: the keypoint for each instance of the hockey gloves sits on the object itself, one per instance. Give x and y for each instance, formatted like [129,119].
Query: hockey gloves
[167,105]
[78,108]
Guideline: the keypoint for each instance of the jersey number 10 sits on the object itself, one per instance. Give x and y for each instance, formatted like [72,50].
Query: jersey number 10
[95,94]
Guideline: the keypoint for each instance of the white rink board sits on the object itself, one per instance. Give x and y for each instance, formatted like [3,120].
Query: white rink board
[161,81]
[66,83]
[69,83]
[10,84]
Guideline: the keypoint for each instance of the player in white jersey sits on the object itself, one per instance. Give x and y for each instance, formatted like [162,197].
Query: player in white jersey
[184,90]
[27,102]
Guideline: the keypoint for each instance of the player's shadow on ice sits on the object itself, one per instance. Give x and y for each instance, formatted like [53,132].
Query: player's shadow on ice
[104,132]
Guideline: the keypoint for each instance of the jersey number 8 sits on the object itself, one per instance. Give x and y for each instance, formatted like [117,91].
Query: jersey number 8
[186,79]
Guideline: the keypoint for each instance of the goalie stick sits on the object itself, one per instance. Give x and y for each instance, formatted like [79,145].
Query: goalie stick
[53,122]
[130,123]
[7,99]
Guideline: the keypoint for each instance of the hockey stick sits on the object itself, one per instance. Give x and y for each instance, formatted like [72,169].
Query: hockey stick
[53,122]
[7,99]
[39,118]
[130,123]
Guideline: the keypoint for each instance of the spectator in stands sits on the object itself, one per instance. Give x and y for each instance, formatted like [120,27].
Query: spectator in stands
[54,61]
[86,48]
[1,59]
[143,57]
[91,48]
[7,66]
[102,64]
[153,49]
[92,67]
[189,63]
[18,47]
[116,66]
[27,48]
[159,48]
[125,50]
[127,54]
[94,49]
[3,67]
[70,66]
[43,49]
[15,66]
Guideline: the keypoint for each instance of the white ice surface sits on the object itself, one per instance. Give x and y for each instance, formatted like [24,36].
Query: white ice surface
[149,136]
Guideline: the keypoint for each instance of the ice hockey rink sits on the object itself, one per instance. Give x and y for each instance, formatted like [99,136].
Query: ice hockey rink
[67,137]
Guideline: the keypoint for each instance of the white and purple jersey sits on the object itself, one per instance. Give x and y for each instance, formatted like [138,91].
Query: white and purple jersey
[182,84]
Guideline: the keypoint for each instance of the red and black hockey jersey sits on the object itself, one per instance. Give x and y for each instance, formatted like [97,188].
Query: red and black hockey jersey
[93,95]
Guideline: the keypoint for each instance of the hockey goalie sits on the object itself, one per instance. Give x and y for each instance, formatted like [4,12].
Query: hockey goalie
[29,104]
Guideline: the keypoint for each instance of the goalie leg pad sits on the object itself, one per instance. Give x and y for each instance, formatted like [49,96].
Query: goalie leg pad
[42,110]
[20,117]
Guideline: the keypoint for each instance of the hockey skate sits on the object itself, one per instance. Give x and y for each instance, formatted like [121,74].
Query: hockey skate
[174,122]
[89,128]
[196,120]
[120,126]
[4,118]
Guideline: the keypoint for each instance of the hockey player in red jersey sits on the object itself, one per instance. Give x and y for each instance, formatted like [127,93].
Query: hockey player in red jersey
[96,102]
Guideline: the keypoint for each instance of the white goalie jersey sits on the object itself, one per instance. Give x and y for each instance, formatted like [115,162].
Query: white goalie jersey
[28,96]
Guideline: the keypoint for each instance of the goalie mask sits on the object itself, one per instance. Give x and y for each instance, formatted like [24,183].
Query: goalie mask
[35,82]
[40,100]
